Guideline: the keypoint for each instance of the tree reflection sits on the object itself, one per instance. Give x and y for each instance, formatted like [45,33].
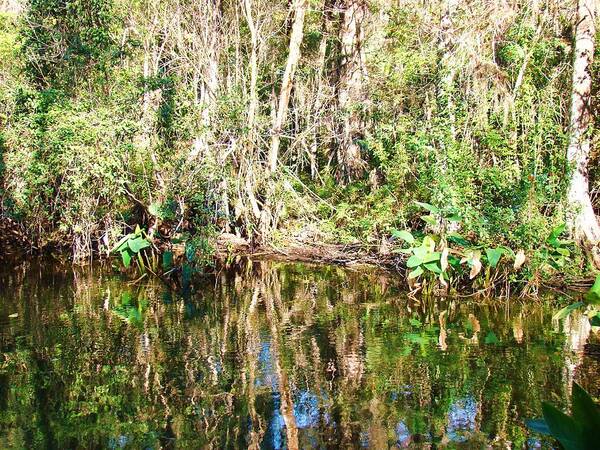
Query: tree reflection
[273,356]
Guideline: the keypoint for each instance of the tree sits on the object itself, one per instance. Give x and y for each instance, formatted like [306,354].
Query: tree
[350,89]
[288,80]
[581,218]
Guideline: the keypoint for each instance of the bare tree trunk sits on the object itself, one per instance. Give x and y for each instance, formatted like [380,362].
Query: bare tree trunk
[299,7]
[350,90]
[253,106]
[582,220]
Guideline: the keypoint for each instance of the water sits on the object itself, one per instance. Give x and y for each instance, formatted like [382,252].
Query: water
[274,355]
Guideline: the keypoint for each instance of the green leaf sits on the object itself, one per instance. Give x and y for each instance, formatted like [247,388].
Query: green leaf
[126,257]
[564,312]
[416,273]
[563,251]
[563,428]
[433,267]
[122,243]
[595,320]
[433,256]
[494,255]
[428,243]
[593,295]
[539,426]
[432,209]
[457,239]
[420,252]
[405,235]
[454,218]
[584,411]
[491,338]
[430,219]
[556,232]
[137,244]
[413,261]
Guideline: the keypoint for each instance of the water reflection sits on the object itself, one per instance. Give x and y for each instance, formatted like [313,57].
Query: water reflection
[273,356]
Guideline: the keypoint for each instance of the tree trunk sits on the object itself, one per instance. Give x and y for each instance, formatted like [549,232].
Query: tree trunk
[350,90]
[581,218]
[288,80]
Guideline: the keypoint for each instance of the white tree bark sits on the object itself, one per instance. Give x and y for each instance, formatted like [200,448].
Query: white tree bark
[581,219]
[287,82]
[350,90]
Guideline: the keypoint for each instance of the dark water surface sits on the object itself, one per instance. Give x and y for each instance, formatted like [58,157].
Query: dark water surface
[273,356]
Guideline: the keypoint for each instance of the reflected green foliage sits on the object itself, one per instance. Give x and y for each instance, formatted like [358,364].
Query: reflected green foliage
[270,355]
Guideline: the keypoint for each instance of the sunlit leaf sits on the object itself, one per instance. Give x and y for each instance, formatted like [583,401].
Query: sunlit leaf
[433,267]
[405,235]
[432,209]
[564,312]
[126,257]
[137,244]
[493,255]
[416,273]
[428,243]
[593,295]
[413,261]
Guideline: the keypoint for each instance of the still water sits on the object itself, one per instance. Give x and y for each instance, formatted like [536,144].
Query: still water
[273,355]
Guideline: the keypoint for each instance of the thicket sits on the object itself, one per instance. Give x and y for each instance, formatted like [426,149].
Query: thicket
[160,113]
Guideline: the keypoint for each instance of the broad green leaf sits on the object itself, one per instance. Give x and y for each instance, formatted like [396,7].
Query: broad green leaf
[126,257]
[595,320]
[563,428]
[433,256]
[454,218]
[420,252]
[539,426]
[433,267]
[413,261]
[563,251]
[137,244]
[593,295]
[493,255]
[430,220]
[428,243]
[432,209]
[457,239]
[584,411]
[564,312]
[556,232]
[405,235]
[416,273]
[122,243]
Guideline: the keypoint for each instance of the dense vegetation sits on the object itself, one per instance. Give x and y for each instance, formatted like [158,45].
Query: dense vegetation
[316,120]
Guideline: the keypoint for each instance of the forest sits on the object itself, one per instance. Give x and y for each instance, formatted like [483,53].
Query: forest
[273,224]
[380,126]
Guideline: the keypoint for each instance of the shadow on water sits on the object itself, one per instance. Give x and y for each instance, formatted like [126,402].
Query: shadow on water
[273,355]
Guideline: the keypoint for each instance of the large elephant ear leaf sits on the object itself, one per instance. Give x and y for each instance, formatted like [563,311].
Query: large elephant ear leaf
[585,411]
[564,428]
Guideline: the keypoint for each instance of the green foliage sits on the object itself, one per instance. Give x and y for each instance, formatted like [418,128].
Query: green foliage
[130,247]
[575,432]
